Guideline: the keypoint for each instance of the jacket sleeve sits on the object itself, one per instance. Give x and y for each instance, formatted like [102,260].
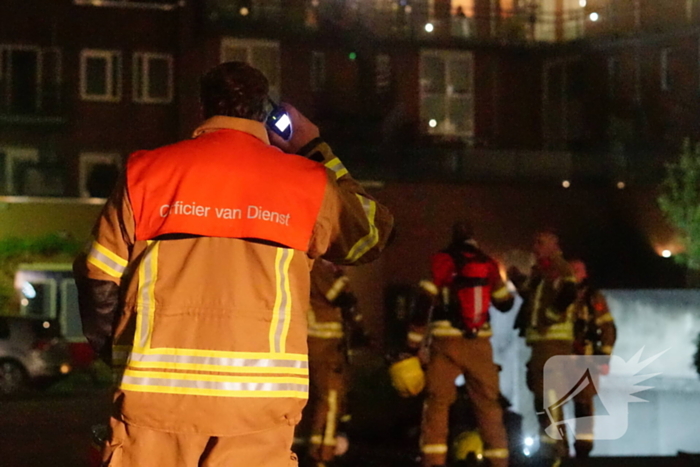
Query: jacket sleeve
[442,268]
[501,298]
[418,324]
[607,332]
[98,271]
[564,287]
[352,227]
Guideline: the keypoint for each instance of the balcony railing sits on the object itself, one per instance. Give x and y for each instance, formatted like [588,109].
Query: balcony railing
[165,5]
[396,19]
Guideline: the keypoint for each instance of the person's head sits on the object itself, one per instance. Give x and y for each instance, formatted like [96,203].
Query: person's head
[579,268]
[546,244]
[234,89]
[462,231]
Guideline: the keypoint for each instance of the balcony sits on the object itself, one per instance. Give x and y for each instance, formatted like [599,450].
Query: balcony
[165,5]
[420,20]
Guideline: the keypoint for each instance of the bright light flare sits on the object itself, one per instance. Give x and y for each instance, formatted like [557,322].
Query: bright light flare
[594,16]
[244,11]
[429,27]
[529,441]
[582,3]
[566,184]
[432,123]
[666,253]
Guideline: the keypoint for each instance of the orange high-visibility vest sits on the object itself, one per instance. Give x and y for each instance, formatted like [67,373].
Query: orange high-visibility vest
[227,184]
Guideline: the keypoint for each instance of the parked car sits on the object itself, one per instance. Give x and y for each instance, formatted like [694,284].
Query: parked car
[32,353]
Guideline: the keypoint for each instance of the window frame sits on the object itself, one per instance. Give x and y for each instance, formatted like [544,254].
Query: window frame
[249,44]
[88,159]
[447,56]
[143,85]
[114,90]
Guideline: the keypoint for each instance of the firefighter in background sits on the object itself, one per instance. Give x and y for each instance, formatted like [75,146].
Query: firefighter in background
[546,320]
[334,329]
[455,308]
[594,334]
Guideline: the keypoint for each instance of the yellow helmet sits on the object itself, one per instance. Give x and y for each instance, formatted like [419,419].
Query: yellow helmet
[468,442]
[407,377]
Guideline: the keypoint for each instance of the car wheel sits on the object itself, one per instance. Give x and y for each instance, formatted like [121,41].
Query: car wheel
[13,378]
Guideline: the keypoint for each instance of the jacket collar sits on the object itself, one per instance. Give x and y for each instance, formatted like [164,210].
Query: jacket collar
[220,122]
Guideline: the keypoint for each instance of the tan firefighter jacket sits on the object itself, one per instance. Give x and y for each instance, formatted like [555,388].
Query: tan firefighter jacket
[208,332]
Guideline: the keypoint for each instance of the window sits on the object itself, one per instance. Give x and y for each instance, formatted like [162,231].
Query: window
[70,317]
[98,174]
[100,75]
[38,298]
[16,161]
[446,87]
[382,73]
[153,78]
[29,79]
[263,55]
[665,60]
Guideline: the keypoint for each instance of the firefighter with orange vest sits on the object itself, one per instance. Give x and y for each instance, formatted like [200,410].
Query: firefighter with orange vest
[196,286]
[546,320]
[454,310]
[334,327]
[594,334]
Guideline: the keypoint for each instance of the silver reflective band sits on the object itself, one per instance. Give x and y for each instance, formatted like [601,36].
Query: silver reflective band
[216,385]
[220,361]
[113,268]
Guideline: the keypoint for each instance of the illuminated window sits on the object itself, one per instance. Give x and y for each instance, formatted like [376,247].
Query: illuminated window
[100,75]
[153,78]
[446,91]
[318,71]
[262,54]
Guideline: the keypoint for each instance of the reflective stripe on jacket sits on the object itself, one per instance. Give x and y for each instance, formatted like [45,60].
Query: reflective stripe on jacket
[210,333]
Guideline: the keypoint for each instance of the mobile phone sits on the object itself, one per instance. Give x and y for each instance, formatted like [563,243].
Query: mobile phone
[278,122]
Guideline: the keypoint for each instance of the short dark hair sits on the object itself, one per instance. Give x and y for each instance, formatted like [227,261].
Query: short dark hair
[462,231]
[234,89]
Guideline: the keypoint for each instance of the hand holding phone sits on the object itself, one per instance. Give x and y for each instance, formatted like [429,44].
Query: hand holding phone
[304,131]
[278,122]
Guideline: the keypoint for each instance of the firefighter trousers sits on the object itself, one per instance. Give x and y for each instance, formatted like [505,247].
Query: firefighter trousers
[134,446]
[536,377]
[327,394]
[584,412]
[450,357]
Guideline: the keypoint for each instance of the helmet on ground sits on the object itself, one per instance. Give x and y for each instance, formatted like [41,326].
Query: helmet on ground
[468,446]
[407,376]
